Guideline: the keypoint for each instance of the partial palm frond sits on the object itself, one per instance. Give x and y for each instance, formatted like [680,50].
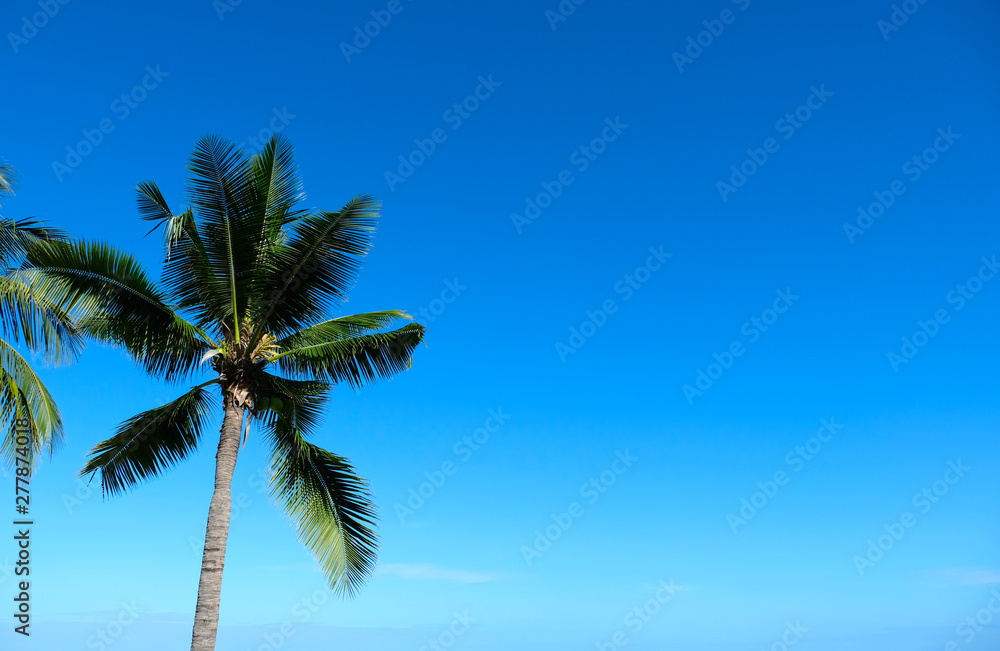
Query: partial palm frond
[23,396]
[16,237]
[26,315]
[7,180]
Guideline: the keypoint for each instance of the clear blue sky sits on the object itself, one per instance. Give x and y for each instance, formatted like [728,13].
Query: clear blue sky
[641,259]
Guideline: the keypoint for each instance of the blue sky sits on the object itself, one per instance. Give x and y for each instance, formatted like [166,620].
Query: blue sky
[590,212]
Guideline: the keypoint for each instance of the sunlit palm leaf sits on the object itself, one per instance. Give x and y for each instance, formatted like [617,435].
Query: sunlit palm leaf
[331,507]
[26,315]
[7,177]
[22,395]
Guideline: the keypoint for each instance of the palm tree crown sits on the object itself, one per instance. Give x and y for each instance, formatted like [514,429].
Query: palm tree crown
[249,279]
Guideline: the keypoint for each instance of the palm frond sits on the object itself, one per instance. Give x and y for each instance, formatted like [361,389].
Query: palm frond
[16,237]
[149,443]
[330,505]
[115,302]
[352,325]
[277,186]
[313,273]
[299,402]
[327,352]
[23,396]
[26,315]
[217,189]
[185,261]
[272,189]
[7,180]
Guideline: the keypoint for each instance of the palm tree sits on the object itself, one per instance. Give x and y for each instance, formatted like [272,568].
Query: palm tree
[26,316]
[247,278]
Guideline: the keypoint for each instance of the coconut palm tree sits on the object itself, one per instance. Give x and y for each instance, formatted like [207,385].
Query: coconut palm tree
[26,316]
[248,281]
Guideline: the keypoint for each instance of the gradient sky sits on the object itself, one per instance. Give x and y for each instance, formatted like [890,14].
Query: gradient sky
[561,320]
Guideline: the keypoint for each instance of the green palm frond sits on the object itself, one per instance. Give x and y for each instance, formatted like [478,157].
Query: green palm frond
[331,507]
[150,442]
[115,302]
[276,186]
[16,237]
[7,180]
[217,189]
[22,395]
[177,229]
[186,266]
[272,189]
[344,327]
[316,269]
[26,315]
[299,402]
[323,351]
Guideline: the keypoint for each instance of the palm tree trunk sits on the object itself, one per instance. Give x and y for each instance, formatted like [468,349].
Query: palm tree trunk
[206,615]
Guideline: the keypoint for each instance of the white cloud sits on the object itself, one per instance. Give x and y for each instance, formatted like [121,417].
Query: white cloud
[965,576]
